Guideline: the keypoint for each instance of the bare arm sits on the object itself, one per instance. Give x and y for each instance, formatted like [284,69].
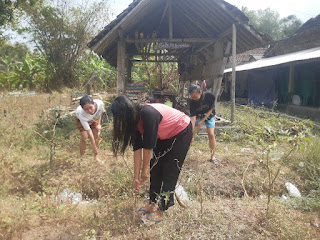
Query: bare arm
[193,122]
[147,153]
[137,158]
[99,119]
[137,155]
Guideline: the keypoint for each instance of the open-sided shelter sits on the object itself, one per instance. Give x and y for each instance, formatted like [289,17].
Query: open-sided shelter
[195,33]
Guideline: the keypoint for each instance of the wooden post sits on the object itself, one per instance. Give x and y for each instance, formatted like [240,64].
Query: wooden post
[213,70]
[170,21]
[128,71]
[121,67]
[233,82]
[223,63]
[291,79]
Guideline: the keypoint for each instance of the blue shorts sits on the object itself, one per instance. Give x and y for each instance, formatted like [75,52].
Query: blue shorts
[211,123]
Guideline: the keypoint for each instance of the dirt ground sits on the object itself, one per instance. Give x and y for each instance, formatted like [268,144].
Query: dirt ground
[228,200]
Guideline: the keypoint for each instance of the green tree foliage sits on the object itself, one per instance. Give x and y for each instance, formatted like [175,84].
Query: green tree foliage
[7,8]
[17,51]
[268,22]
[290,25]
[61,33]
[8,11]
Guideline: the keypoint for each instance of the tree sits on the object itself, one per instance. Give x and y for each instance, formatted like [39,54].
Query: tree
[268,22]
[7,8]
[17,51]
[7,11]
[61,31]
[289,25]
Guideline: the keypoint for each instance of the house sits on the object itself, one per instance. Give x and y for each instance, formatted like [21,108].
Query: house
[247,57]
[288,74]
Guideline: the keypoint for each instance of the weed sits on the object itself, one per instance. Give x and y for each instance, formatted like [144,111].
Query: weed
[219,210]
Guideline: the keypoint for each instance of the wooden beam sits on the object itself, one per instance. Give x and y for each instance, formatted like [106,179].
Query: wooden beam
[170,21]
[137,60]
[164,12]
[218,38]
[291,78]
[186,40]
[121,67]
[233,82]
[161,54]
[191,15]
[135,15]
[205,46]
[128,71]
[223,66]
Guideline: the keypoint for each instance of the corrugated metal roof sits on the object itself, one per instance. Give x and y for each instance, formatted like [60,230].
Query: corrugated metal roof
[277,60]
[191,19]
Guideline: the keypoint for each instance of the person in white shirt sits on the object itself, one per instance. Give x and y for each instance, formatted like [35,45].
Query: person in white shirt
[89,123]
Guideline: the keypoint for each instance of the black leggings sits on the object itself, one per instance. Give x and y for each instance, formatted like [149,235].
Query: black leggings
[166,169]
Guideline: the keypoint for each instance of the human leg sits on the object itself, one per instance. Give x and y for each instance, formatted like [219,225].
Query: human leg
[172,164]
[155,180]
[83,142]
[210,124]
[164,174]
[96,135]
[212,141]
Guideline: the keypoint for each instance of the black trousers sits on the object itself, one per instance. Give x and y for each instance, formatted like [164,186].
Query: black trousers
[165,167]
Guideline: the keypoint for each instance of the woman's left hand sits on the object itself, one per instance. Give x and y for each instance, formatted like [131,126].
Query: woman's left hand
[136,184]
[144,174]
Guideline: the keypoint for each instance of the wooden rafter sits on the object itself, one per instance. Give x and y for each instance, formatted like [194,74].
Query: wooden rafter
[170,20]
[164,12]
[193,20]
[174,40]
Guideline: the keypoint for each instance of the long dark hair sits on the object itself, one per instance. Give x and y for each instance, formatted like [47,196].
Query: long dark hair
[125,120]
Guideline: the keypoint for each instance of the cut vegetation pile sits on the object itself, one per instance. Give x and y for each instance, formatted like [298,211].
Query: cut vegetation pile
[243,197]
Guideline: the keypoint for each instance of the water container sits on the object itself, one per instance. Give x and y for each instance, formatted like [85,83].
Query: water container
[296,100]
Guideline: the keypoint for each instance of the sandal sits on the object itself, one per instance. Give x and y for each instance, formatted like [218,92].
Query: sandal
[148,221]
[142,211]
[153,220]
[215,160]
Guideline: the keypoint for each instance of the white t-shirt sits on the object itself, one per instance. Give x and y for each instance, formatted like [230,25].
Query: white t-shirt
[87,119]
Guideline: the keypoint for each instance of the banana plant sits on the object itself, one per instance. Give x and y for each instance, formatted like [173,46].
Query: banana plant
[7,72]
[93,65]
[31,72]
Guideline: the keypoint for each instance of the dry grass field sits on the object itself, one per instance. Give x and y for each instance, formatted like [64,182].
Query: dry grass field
[39,159]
